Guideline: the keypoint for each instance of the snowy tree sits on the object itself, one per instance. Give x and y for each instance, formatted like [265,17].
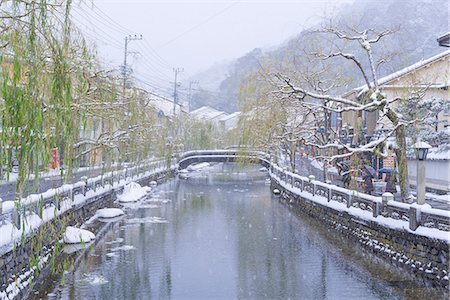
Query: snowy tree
[314,94]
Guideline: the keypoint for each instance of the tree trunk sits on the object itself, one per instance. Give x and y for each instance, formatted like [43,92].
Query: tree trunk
[400,152]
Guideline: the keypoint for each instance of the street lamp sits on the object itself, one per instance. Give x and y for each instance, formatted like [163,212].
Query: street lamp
[421,150]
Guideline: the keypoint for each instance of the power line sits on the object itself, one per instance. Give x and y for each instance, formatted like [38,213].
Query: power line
[198,25]
[154,59]
[105,35]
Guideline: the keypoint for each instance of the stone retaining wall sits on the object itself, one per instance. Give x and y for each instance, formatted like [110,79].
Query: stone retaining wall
[19,264]
[427,258]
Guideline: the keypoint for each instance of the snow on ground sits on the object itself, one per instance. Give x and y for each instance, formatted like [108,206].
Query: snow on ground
[366,215]
[109,212]
[7,206]
[444,198]
[318,165]
[8,232]
[45,175]
[75,235]
[132,192]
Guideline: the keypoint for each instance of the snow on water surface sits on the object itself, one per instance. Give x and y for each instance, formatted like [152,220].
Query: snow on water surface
[156,220]
[94,279]
[109,212]
[124,248]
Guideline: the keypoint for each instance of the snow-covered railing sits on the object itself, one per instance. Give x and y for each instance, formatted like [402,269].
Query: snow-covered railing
[53,198]
[367,205]
[226,155]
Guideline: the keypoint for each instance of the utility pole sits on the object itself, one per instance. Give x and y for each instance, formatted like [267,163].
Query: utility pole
[128,39]
[175,84]
[192,82]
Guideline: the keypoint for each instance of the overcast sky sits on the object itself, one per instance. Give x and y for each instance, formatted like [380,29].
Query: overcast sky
[192,34]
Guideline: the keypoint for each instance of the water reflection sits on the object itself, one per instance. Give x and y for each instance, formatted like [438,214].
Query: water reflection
[221,236]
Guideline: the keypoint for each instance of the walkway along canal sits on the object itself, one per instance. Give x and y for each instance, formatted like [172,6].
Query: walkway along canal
[221,234]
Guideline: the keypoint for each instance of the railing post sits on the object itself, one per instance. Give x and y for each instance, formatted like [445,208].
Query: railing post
[311,179]
[85,179]
[385,198]
[414,217]
[72,196]
[329,194]
[349,200]
[376,209]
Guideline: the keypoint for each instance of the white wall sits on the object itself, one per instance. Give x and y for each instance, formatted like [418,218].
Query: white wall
[437,173]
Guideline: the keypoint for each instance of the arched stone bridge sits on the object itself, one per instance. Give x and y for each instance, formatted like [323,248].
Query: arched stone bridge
[252,156]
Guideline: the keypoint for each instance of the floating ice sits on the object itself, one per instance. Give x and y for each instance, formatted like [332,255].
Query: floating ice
[116,241]
[94,279]
[156,220]
[149,206]
[124,248]
[109,212]
[132,192]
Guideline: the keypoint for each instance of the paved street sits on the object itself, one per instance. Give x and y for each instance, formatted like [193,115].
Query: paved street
[305,168]
[43,184]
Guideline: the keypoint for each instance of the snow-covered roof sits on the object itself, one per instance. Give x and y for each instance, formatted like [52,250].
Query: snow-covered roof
[163,104]
[421,144]
[230,116]
[404,71]
[438,154]
[206,113]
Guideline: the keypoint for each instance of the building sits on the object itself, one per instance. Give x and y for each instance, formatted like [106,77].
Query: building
[208,114]
[165,107]
[229,122]
[430,75]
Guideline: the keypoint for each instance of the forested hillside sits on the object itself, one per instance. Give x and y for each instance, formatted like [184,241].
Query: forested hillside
[417,24]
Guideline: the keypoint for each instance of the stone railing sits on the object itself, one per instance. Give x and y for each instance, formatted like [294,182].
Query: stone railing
[66,194]
[378,207]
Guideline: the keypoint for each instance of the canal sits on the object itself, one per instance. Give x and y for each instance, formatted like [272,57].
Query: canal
[221,234]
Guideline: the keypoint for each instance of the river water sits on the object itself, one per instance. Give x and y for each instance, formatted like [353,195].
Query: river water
[221,235]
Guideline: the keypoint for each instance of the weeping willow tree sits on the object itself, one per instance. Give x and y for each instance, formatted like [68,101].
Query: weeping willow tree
[267,122]
[44,66]
[56,96]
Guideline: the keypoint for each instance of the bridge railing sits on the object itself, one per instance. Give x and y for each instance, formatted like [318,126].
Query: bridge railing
[377,207]
[62,198]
